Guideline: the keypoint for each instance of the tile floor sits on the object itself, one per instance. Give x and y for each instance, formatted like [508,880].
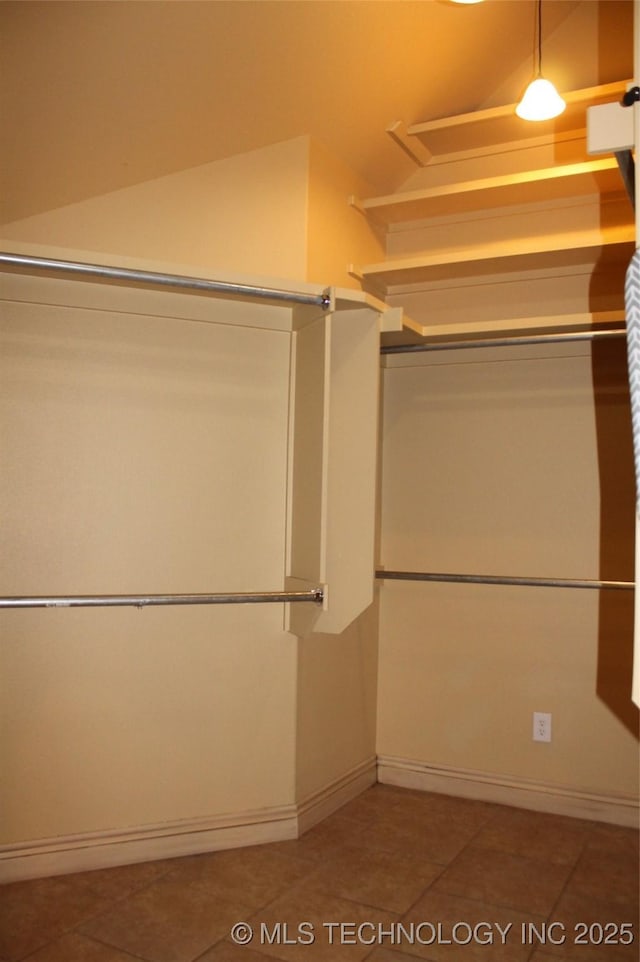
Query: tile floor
[394,875]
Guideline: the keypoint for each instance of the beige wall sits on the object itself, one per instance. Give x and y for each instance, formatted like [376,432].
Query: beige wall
[108,724]
[149,440]
[281,211]
[338,235]
[509,463]
[336,704]
[246,213]
[141,453]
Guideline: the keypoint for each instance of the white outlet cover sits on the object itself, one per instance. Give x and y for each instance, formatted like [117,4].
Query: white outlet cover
[541,726]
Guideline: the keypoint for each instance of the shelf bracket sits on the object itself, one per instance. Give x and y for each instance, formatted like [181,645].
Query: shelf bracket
[379,226]
[411,145]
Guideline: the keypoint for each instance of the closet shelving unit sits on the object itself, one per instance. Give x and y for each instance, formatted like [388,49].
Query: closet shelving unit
[331,433]
[500,215]
[566,180]
[495,196]
[481,130]
[571,248]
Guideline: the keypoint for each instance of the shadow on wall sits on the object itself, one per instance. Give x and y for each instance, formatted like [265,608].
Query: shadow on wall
[617,529]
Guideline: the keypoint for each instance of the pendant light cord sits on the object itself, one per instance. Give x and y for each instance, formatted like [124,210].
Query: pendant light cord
[539,74]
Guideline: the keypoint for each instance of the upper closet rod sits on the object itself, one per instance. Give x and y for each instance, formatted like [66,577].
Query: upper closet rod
[164,280]
[513,341]
[143,601]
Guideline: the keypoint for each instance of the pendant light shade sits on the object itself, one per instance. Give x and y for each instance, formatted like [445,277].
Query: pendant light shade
[541,100]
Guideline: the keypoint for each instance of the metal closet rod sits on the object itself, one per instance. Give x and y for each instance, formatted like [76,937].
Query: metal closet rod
[498,580]
[315,595]
[513,341]
[158,279]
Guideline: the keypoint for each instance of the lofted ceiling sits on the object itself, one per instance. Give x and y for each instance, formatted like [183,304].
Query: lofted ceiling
[101,95]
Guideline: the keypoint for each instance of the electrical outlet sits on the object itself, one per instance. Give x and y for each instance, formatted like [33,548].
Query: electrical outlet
[541,726]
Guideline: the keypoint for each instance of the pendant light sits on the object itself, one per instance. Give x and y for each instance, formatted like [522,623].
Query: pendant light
[541,100]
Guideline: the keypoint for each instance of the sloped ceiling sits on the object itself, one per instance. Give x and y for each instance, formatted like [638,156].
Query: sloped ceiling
[101,95]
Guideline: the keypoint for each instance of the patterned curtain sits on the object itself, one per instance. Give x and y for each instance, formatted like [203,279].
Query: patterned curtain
[632,307]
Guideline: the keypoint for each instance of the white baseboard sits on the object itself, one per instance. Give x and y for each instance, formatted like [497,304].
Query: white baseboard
[616,809]
[316,807]
[95,850]
[81,853]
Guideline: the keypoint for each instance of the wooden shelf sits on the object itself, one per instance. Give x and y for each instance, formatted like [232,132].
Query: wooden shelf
[502,200]
[595,176]
[538,253]
[461,330]
[499,125]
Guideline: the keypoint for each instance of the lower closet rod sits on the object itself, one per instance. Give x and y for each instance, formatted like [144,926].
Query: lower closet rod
[142,601]
[498,580]
[157,279]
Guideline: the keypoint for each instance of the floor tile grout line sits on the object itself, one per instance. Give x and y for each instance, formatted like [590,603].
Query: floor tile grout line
[470,842]
[444,867]
[71,929]
[363,823]
[310,867]
[136,889]
[134,955]
[401,955]
[468,845]
[569,878]
[549,917]
[89,938]
[503,906]
[426,889]
[456,856]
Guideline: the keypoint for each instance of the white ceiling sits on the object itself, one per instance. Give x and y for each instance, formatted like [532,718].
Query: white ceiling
[101,95]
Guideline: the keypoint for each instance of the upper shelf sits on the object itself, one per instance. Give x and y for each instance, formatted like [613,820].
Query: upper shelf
[593,176]
[485,129]
[486,194]
[526,254]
